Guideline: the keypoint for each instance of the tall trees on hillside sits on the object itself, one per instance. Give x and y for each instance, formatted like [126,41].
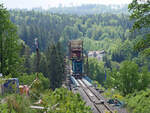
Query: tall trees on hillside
[59,27]
[128,78]
[123,51]
[25,53]
[9,45]
[55,63]
[140,12]
[51,63]
[96,70]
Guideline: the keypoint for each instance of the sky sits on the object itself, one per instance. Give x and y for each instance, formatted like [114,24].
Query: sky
[29,4]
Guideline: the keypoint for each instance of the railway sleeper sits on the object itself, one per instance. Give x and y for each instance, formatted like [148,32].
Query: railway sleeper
[99,102]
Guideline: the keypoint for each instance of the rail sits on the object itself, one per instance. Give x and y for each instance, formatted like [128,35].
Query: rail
[85,91]
[105,105]
[100,106]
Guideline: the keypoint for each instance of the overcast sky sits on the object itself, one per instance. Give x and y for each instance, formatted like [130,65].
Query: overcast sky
[55,3]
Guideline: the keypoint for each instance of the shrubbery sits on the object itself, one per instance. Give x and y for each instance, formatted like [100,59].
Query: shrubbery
[28,79]
[64,101]
[128,78]
[96,70]
[42,83]
[17,104]
[139,102]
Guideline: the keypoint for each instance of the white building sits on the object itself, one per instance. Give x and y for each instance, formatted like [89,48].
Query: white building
[97,54]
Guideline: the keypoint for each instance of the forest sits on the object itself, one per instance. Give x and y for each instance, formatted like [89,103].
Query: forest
[124,37]
[89,9]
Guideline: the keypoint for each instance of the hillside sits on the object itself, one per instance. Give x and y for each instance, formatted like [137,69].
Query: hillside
[106,61]
[91,9]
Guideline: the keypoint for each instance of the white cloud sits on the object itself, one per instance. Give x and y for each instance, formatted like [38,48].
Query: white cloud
[55,3]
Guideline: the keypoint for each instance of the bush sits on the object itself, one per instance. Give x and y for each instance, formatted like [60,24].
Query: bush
[96,70]
[64,101]
[37,87]
[4,108]
[139,102]
[128,78]
[99,86]
[28,79]
[17,104]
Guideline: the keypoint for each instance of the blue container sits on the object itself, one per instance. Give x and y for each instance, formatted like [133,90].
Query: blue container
[77,66]
[8,85]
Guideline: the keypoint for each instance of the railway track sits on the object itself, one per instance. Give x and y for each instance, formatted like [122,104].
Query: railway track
[100,98]
[97,101]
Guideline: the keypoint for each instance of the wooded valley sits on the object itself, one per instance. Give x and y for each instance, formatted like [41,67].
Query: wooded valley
[122,35]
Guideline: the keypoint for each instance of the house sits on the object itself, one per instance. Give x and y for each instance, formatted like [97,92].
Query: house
[97,54]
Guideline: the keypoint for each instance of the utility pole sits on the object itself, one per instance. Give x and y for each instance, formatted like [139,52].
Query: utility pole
[87,63]
[1,53]
[37,55]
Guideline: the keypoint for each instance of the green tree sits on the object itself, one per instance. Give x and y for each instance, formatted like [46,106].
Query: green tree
[55,62]
[140,13]
[9,45]
[128,78]
[25,54]
[96,70]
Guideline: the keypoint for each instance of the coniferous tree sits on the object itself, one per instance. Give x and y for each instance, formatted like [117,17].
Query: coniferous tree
[55,62]
[25,54]
[9,45]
